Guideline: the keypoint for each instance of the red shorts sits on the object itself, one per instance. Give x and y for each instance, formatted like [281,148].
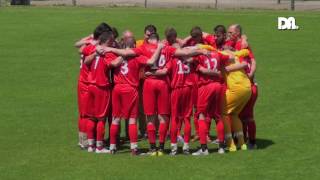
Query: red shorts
[181,102]
[99,101]
[210,100]
[82,98]
[156,97]
[125,101]
[247,111]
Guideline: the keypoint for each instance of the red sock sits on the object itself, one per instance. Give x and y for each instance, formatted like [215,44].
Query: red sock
[245,130]
[220,130]
[91,126]
[114,130]
[187,130]
[82,124]
[162,132]
[252,131]
[133,133]
[208,120]
[151,129]
[196,123]
[203,131]
[173,130]
[100,130]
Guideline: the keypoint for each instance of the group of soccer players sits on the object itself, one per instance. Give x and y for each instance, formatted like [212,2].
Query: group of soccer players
[204,76]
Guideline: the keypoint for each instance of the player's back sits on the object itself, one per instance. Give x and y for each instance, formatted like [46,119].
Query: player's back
[128,72]
[99,69]
[84,69]
[181,73]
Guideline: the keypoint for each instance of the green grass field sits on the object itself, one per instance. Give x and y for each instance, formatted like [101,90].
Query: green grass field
[38,106]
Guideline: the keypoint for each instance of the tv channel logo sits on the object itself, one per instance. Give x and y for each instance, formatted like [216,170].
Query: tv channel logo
[287,23]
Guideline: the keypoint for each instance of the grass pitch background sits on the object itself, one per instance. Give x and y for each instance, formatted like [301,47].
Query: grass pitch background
[38,107]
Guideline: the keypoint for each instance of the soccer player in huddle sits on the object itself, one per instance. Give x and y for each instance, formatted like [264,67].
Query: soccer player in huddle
[86,47]
[247,114]
[181,83]
[125,95]
[209,101]
[99,92]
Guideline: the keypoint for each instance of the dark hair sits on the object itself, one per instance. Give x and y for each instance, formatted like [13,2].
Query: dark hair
[151,28]
[170,33]
[115,32]
[105,36]
[196,32]
[102,27]
[220,28]
[154,36]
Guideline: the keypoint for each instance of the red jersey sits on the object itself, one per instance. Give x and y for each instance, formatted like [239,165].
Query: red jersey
[146,49]
[211,40]
[166,55]
[84,69]
[128,72]
[215,61]
[181,74]
[99,70]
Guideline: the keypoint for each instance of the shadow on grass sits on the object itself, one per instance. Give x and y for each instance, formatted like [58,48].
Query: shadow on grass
[264,143]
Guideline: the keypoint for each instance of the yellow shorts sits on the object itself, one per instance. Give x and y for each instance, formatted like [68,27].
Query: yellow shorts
[235,99]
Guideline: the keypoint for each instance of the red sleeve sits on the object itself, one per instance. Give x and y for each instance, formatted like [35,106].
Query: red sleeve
[251,55]
[197,60]
[86,51]
[138,50]
[223,58]
[142,60]
[229,43]
[170,51]
[109,58]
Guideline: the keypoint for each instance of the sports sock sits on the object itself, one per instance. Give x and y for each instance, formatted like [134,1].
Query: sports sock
[91,125]
[173,130]
[227,129]
[245,130]
[252,131]
[220,130]
[151,133]
[187,130]
[114,130]
[133,133]
[203,131]
[100,130]
[237,127]
[162,132]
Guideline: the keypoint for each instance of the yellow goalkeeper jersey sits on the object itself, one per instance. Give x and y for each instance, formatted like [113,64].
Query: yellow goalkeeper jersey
[237,78]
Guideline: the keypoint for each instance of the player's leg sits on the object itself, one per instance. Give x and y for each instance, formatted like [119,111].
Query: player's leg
[251,125]
[83,115]
[130,111]
[240,100]
[149,102]
[187,103]
[102,103]
[91,123]
[195,112]
[174,120]
[116,113]
[163,105]
[202,106]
